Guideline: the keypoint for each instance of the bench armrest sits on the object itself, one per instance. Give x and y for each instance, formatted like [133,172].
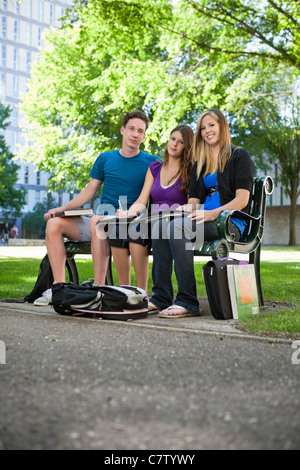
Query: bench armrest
[224,218]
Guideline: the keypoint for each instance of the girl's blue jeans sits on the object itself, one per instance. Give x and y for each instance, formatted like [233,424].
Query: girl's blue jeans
[171,242]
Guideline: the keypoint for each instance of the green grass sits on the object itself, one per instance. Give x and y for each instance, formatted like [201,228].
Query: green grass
[280,283]
[281,248]
[282,324]
[18,275]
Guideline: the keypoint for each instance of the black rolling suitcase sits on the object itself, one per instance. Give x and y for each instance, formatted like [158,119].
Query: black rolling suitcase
[216,283]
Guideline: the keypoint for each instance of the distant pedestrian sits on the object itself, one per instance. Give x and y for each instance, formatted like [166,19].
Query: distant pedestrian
[5,234]
[14,231]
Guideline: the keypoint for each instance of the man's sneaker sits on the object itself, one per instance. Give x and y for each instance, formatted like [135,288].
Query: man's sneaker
[96,284]
[45,299]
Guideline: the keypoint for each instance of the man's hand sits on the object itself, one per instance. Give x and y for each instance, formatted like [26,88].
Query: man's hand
[48,214]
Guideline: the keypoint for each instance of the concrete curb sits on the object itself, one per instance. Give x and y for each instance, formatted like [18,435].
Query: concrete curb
[205,324]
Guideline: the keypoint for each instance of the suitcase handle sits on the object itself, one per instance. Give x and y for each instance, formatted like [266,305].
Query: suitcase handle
[228,257]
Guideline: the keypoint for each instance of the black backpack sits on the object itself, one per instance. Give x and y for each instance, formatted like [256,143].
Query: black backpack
[103,302]
[44,281]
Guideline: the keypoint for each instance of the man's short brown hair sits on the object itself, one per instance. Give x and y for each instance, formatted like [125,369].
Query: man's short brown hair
[135,115]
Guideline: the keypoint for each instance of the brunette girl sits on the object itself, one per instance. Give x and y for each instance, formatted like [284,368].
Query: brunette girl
[167,183]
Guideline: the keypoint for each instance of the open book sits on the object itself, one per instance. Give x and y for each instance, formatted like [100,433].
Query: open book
[243,290]
[144,217]
[73,213]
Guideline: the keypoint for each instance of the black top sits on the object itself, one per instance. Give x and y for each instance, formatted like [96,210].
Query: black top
[238,174]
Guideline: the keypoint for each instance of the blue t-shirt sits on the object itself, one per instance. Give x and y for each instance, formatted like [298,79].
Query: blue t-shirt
[123,178]
[213,201]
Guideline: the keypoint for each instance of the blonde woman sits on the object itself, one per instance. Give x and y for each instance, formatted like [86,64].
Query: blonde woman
[221,179]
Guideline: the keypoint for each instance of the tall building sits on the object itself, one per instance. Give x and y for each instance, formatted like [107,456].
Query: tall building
[22,25]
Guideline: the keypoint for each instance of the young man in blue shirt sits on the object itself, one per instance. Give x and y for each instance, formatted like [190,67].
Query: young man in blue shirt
[122,173]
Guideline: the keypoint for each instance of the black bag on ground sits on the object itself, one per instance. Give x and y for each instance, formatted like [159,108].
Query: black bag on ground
[104,302]
[44,281]
[216,283]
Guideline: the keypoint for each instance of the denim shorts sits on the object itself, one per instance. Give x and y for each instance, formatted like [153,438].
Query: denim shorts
[119,237]
[83,225]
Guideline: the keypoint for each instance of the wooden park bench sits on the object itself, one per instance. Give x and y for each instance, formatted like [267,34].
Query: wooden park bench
[250,243]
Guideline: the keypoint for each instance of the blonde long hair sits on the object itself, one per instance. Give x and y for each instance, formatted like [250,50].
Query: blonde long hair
[188,157]
[202,150]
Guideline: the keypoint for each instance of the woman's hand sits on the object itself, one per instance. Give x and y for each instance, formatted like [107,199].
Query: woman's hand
[238,203]
[185,208]
[203,215]
[122,214]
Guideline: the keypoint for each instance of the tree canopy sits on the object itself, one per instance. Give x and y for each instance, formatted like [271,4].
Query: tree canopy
[12,199]
[171,59]
[34,221]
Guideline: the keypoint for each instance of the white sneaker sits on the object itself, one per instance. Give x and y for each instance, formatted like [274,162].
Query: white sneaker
[45,299]
[95,284]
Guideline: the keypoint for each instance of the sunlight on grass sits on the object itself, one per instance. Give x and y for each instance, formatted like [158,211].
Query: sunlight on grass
[280,283]
[285,323]
[281,249]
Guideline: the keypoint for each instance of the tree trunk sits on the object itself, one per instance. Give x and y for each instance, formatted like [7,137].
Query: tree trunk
[293,216]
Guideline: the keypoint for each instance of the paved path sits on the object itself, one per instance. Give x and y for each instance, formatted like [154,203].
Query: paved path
[40,251]
[152,384]
[142,385]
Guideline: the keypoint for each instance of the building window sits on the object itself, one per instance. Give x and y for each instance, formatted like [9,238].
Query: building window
[15,86]
[28,8]
[14,115]
[28,34]
[40,33]
[13,147]
[41,11]
[26,173]
[51,15]
[15,58]
[4,4]
[38,178]
[37,196]
[28,60]
[3,56]
[3,27]
[16,30]
[17,7]
[2,84]
[62,14]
